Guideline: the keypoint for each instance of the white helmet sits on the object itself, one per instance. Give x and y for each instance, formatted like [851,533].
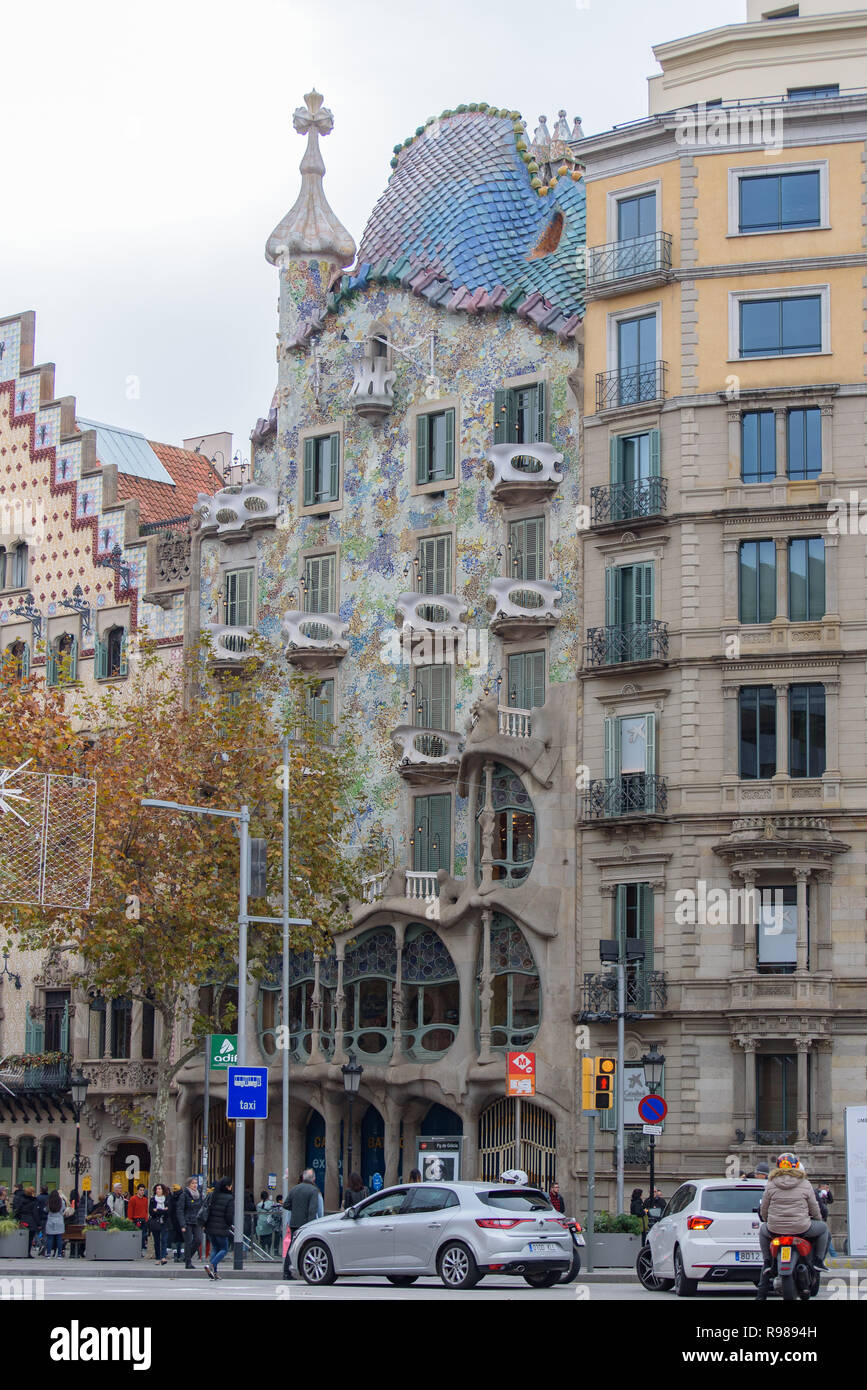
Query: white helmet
[515,1176]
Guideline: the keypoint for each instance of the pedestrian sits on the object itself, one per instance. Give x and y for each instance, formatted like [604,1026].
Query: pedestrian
[28,1215]
[219,1224]
[265,1228]
[636,1208]
[655,1205]
[4,1203]
[55,1226]
[175,1239]
[188,1208]
[355,1191]
[825,1197]
[116,1203]
[302,1204]
[42,1217]
[554,1197]
[249,1213]
[158,1221]
[137,1211]
[414,1175]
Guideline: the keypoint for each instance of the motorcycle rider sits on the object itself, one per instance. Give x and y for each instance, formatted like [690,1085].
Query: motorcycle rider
[789,1208]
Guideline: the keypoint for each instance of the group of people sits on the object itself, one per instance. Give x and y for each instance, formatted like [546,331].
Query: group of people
[43,1213]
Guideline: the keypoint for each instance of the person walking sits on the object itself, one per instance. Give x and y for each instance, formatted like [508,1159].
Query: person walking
[265,1227]
[636,1208]
[302,1204]
[55,1226]
[188,1208]
[137,1211]
[218,1225]
[554,1197]
[175,1239]
[825,1197]
[355,1191]
[42,1217]
[116,1203]
[414,1175]
[28,1215]
[158,1221]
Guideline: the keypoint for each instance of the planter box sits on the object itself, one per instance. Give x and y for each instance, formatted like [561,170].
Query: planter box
[112,1245]
[615,1251]
[14,1247]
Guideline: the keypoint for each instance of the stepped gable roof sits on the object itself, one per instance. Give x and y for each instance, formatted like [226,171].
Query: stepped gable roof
[464,222]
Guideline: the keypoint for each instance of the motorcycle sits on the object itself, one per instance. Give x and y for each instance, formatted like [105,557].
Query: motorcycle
[793,1273]
[574,1269]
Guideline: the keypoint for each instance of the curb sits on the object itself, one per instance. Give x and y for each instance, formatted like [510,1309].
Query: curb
[127,1269]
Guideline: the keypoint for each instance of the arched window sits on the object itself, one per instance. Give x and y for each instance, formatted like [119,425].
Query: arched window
[18,577]
[18,660]
[110,655]
[302,980]
[2,567]
[51,1161]
[369,972]
[514,827]
[431,994]
[516,1007]
[63,660]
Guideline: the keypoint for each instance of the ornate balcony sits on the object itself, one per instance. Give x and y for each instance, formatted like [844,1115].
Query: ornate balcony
[631,794]
[632,502]
[644,260]
[436,618]
[372,392]
[231,645]
[514,723]
[235,512]
[373,886]
[646,992]
[421,886]
[522,607]
[427,753]
[524,473]
[314,640]
[125,1075]
[622,644]
[631,386]
[22,1076]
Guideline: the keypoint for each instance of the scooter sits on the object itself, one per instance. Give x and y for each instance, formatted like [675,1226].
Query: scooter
[793,1273]
[574,1269]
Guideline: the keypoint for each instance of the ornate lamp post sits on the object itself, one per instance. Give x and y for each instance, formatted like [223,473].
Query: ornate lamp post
[351,1081]
[78,1086]
[653,1063]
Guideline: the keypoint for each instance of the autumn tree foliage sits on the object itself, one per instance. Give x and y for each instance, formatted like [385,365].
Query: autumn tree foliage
[162,926]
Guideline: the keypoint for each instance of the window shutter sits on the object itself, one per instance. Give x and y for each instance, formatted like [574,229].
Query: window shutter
[450,444]
[309,472]
[643,575]
[100,659]
[34,1033]
[334,492]
[422,468]
[124,658]
[243,600]
[64,1028]
[51,667]
[645,923]
[501,417]
[620,913]
[515,694]
[615,456]
[73,662]
[443,570]
[650,760]
[654,453]
[537,660]
[610,748]
[329,583]
[25,661]
[440,697]
[534,547]
[439,832]
[612,595]
[541,414]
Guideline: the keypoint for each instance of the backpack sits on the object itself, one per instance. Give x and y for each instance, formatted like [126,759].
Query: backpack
[204,1210]
[275,1219]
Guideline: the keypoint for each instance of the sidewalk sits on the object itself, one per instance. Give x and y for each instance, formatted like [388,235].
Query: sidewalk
[129,1269]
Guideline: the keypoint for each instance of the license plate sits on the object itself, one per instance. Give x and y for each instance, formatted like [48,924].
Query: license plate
[785,1254]
[538,1247]
[580,1240]
[748,1257]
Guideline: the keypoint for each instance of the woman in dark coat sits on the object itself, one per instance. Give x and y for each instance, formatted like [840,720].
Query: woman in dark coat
[219,1225]
[636,1208]
[158,1221]
[28,1215]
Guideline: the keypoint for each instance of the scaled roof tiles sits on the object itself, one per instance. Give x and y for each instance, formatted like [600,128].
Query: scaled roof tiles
[189,474]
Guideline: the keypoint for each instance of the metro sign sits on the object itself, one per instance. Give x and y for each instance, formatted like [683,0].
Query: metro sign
[520,1073]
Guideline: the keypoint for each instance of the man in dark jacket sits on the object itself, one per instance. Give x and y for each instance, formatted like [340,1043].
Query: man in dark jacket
[302,1204]
[188,1207]
[219,1225]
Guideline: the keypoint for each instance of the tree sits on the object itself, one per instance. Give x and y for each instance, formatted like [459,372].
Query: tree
[163,919]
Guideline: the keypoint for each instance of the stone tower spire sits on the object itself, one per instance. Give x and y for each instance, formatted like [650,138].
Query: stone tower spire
[310,230]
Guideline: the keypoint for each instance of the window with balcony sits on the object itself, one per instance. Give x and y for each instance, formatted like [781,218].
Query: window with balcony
[526,677]
[806,730]
[110,655]
[121,1027]
[804,443]
[637,360]
[238,597]
[320,584]
[321,470]
[520,416]
[758,446]
[432,698]
[757,581]
[514,846]
[784,326]
[628,612]
[435,447]
[62,663]
[302,975]
[516,1008]
[806,579]
[777,930]
[636,251]
[431,838]
[757,714]
[777,1098]
[57,1020]
[527,559]
[629,783]
[633,921]
[635,481]
[780,202]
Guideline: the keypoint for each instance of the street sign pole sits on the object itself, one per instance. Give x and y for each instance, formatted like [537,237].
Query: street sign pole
[284,1134]
[621,1047]
[238,1256]
[517,1131]
[652,1149]
[206,1116]
[591,1185]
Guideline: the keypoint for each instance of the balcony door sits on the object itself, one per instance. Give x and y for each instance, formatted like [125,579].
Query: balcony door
[633,906]
[636,234]
[628,612]
[636,359]
[629,763]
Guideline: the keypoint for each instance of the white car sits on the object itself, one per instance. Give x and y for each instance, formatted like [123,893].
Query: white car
[708,1231]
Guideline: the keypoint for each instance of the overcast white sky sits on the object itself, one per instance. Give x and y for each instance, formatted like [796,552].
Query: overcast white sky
[149,152]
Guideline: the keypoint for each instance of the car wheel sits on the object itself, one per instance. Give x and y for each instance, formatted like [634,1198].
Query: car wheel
[542,1281]
[402,1281]
[574,1269]
[315,1264]
[456,1266]
[644,1270]
[683,1287]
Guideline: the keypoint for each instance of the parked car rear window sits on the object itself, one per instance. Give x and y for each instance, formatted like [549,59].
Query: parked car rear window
[516,1199]
[731,1199]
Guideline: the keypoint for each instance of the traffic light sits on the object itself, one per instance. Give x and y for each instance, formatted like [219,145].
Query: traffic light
[588,1093]
[603,1083]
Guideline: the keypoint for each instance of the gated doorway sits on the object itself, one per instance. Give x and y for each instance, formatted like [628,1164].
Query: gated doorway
[538,1148]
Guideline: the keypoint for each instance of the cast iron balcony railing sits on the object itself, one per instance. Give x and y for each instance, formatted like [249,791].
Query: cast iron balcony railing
[45,1077]
[612,646]
[628,501]
[630,794]
[646,992]
[621,260]
[631,385]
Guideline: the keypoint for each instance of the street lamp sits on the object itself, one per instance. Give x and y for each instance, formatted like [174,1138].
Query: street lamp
[78,1087]
[653,1063]
[351,1081]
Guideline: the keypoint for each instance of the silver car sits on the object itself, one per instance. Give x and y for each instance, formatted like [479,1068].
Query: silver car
[458,1230]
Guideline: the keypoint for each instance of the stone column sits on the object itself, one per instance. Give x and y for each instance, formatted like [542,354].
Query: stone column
[39,1155]
[801,879]
[339,1006]
[14,1178]
[730,582]
[333,1114]
[392,1111]
[316,1001]
[803,1045]
[731,769]
[780,439]
[832,556]
[657,887]
[297,1145]
[260,1134]
[486,991]
[782,693]
[749,1046]
[782,559]
[827,442]
[135,1041]
[822,900]
[832,729]
[487,820]
[734,424]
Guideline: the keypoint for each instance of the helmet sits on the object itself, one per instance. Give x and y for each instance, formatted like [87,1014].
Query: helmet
[515,1176]
[788,1160]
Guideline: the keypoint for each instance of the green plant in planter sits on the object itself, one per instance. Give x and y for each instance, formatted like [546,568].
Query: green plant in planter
[121,1223]
[621,1225]
[8,1226]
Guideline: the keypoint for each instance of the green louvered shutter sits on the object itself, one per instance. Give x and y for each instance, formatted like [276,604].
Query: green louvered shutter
[527,539]
[501,417]
[654,453]
[124,657]
[612,596]
[73,662]
[100,660]
[34,1033]
[309,472]
[541,423]
[51,667]
[64,1028]
[440,816]
[25,661]
[449,422]
[650,761]
[611,748]
[645,924]
[615,458]
[334,487]
[422,466]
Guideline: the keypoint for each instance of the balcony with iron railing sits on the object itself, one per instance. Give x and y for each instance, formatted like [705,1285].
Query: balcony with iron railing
[631,386]
[626,644]
[633,502]
[646,992]
[40,1074]
[645,259]
[630,794]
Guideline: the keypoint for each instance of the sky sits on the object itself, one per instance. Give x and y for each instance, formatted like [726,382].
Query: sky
[150,152]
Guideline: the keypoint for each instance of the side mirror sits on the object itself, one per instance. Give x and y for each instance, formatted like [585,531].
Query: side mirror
[350,1214]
